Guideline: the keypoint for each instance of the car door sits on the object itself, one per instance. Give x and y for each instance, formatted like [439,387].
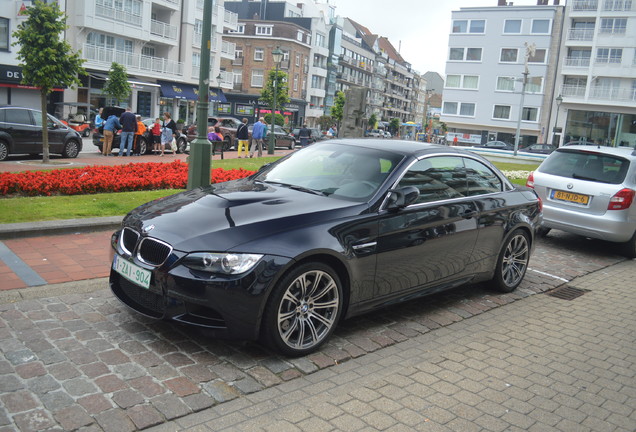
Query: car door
[27,137]
[431,241]
[56,132]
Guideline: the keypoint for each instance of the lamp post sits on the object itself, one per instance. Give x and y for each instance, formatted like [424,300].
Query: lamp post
[218,83]
[555,139]
[199,161]
[530,50]
[277,56]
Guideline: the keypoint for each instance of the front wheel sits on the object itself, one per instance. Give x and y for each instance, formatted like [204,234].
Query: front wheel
[182,145]
[4,150]
[303,310]
[512,262]
[71,149]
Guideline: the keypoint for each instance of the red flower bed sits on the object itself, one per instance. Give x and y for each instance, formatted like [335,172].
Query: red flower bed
[97,179]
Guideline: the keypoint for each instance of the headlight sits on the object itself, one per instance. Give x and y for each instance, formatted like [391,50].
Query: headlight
[225,263]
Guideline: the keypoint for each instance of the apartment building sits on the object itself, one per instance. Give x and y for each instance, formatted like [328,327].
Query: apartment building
[596,99]
[492,50]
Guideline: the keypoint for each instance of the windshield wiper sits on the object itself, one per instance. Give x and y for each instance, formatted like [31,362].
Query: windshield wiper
[298,188]
[581,177]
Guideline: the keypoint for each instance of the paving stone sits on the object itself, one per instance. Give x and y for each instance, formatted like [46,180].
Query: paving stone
[43,384]
[199,401]
[144,416]
[56,400]
[170,406]
[73,417]
[147,386]
[35,420]
[181,386]
[220,391]
[64,371]
[115,421]
[30,370]
[127,398]
[94,370]
[94,404]
[19,401]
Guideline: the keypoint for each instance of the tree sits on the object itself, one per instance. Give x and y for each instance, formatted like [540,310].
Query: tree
[373,120]
[394,125]
[325,122]
[117,85]
[337,110]
[47,60]
[279,119]
[282,90]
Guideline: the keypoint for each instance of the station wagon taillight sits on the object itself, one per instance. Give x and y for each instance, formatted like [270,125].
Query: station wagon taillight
[621,200]
[530,180]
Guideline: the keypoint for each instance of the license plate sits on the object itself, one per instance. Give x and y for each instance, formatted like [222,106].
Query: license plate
[570,197]
[132,272]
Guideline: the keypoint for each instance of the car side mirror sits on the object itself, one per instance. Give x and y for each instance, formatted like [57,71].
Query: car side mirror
[402,197]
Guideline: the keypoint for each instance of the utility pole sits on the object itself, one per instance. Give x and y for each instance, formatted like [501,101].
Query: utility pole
[530,50]
[200,148]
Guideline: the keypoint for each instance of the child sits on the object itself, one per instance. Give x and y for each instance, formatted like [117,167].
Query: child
[156,136]
[141,130]
[166,138]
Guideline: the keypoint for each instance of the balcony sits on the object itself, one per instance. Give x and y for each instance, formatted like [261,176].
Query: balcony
[585,5]
[613,94]
[228,50]
[117,15]
[581,34]
[164,30]
[237,61]
[134,63]
[577,62]
[227,80]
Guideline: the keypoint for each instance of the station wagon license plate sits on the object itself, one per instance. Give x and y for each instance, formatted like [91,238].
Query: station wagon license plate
[570,197]
[132,272]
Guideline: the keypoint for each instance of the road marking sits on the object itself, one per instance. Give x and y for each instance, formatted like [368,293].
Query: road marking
[549,275]
[19,267]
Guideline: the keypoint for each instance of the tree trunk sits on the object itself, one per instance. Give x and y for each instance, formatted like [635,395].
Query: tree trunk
[45,128]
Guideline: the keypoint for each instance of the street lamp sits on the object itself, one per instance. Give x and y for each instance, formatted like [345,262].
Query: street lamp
[555,139]
[277,56]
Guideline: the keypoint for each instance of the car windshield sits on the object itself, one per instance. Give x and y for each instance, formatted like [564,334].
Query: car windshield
[340,171]
[584,165]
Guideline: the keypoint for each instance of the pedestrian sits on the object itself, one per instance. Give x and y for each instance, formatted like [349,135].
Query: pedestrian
[155,132]
[111,126]
[258,133]
[141,130]
[168,133]
[242,134]
[214,135]
[128,128]
[331,133]
[455,140]
[304,134]
[99,121]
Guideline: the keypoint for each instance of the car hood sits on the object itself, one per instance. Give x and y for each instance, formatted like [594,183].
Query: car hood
[224,216]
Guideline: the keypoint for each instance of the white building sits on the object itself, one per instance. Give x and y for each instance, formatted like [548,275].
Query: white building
[489,51]
[597,80]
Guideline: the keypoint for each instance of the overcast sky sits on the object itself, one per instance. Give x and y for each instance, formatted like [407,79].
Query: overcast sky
[418,28]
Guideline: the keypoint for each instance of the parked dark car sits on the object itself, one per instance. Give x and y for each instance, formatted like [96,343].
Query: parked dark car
[331,231]
[539,148]
[145,145]
[498,145]
[228,126]
[316,135]
[282,138]
[21,133]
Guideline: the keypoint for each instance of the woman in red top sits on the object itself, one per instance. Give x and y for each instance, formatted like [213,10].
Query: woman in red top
[156,136]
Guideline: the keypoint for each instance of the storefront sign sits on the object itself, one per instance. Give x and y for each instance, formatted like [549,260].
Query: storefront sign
[247,110]
[224,108]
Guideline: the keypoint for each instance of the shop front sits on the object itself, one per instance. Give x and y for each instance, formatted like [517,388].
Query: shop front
[13,92]
[604,128]
[181,99]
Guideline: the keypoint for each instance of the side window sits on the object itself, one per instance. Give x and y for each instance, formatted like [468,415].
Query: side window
[437,178]
[481,179]
[19,116]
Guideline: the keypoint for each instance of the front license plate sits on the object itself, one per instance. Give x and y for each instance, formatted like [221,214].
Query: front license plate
[570,197]
[132,272]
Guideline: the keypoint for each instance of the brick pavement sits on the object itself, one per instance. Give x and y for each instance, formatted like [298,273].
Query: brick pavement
[82,361]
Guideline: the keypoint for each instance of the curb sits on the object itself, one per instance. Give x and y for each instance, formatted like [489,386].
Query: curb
[56,227]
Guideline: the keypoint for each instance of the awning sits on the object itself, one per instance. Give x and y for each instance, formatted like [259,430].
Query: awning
[217,95]
[188,91]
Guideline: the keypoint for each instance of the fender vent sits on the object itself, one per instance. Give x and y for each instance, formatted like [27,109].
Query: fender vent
[566,292]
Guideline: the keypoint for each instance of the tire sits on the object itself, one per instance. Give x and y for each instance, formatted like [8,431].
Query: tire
[182,145]
[542,232]
[227,143]
[629,247]
[292,144]
[143,146]
[71,149]
[87,132]
[292,323]
[4,150]
[512,262]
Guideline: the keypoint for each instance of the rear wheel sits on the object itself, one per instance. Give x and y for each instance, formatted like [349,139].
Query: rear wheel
[182,145]
[303,310]
[71,149]
[629,247]
[143,146]
[227,143]
[512,262]
[4,150]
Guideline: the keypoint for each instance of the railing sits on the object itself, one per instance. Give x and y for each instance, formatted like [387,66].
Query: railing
[228,48]
[133,62]
[238,61]
[585,5]
[577,62]
[613,94]
[618,5]
[163,29]
[573,91]
[581,34]
[117,15]
[227,79]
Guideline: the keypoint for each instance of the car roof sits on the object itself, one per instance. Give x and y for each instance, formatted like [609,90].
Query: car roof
[412,148]
[626,152]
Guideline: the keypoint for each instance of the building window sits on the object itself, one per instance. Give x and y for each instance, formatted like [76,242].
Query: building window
[196,59]
[259,54]
[471,54]
[469,26]
[505,84]
[467,109]
[456,54]
[257,78]
[4,34]
[462,81]
[609,55]
[237,76]
[613,25]
[263,30]
[320,40]
[450,108]
[296,78]
[538,57]
[463,108]
[512,26]
[298,60]
[540,26]
[508,55]
[530,114]
[501,112]
[238,52]
[240,29]
[299,36]
[534,85]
